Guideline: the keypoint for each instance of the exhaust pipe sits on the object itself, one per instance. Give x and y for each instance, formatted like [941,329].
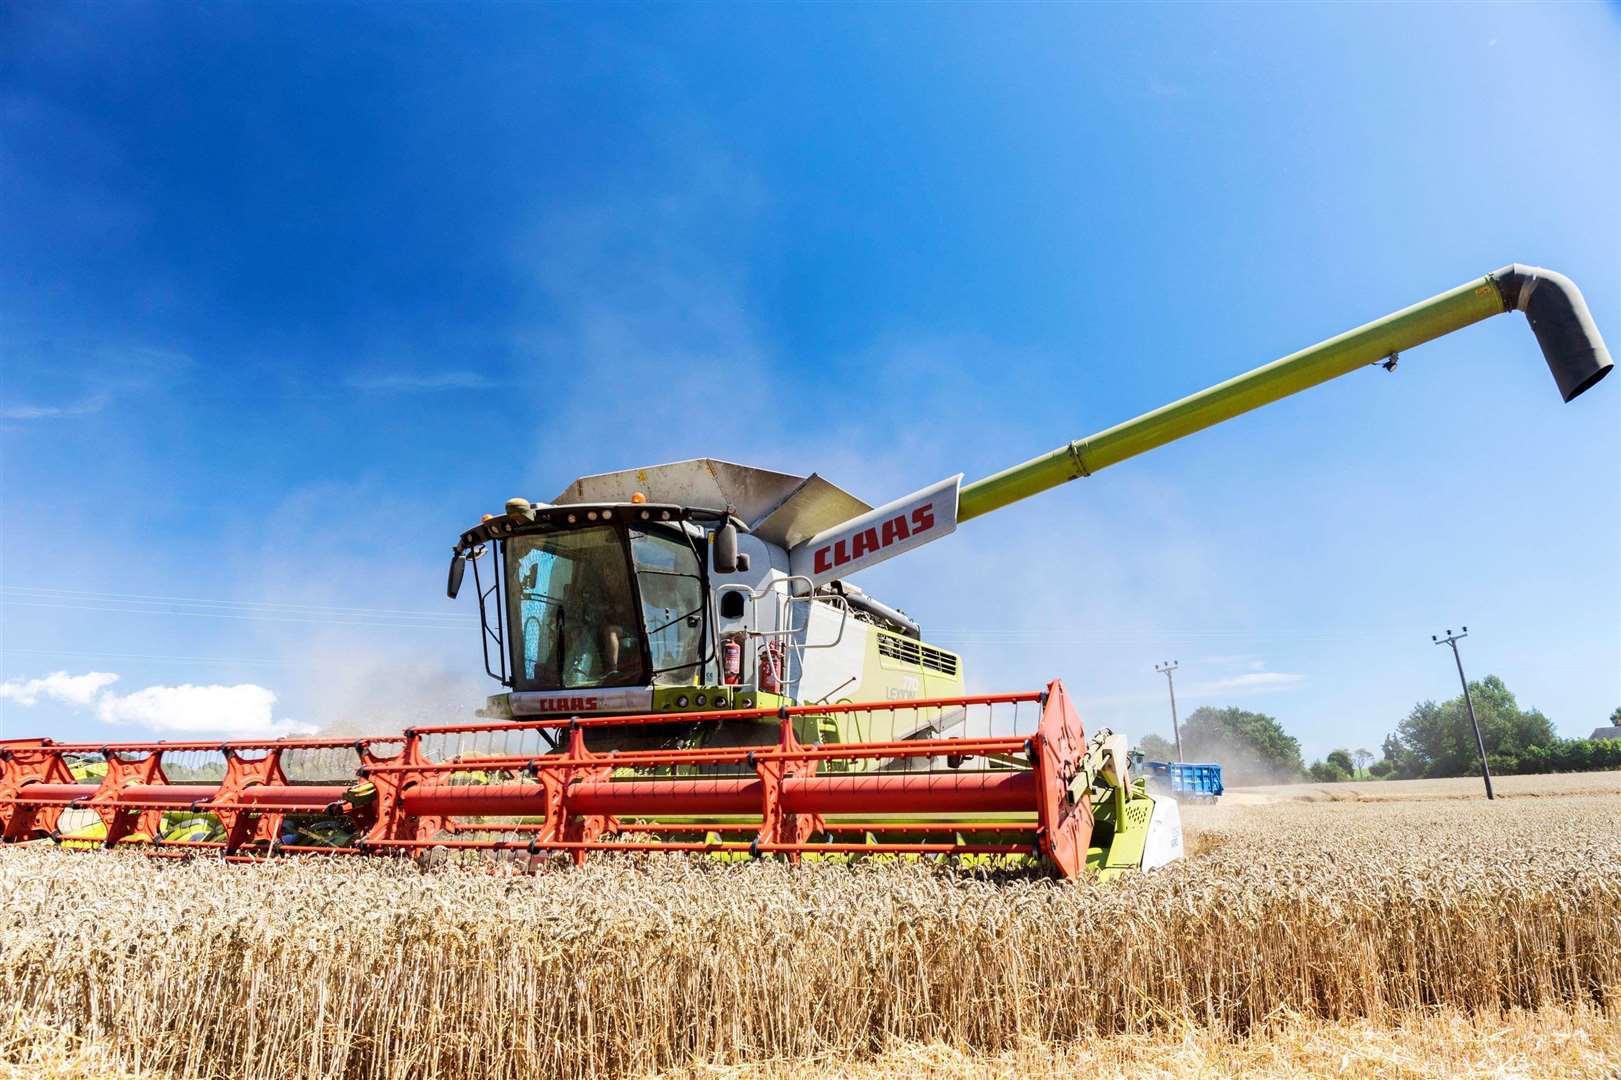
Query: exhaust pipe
[1552,304]
[1559,318]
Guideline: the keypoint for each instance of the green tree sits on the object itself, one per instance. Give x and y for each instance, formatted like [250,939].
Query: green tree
[1341,760]
[1155,748]
[1574,755]
[1252,747]
[1328,772]
[1396,758]
[1436,740]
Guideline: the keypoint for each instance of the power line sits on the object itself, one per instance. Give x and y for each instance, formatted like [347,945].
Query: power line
[80,654]
[102,594]
[107,609]
[41,596]
[236,610]
[266,611]
[1036,637]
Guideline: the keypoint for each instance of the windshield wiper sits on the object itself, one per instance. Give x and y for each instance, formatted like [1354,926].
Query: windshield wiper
[562,648]
[678,618]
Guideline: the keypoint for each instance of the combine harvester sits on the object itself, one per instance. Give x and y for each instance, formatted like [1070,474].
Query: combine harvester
[687,667]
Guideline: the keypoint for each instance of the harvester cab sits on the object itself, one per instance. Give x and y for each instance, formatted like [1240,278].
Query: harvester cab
[686,667]
[673,591]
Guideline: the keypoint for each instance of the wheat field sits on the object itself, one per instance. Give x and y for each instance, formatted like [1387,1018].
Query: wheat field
[1447,935]
[1455,787]
[1445,1043]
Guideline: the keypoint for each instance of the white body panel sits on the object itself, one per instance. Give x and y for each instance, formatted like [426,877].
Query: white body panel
[1163,845]
[824,647]
[832,650]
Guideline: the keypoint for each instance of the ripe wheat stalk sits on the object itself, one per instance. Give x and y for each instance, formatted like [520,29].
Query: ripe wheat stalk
[374,969]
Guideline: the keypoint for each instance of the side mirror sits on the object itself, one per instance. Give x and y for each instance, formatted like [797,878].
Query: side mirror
[724,540]
[458,567]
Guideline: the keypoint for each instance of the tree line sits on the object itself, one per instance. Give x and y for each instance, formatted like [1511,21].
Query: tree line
[1437,740]
[1434,740]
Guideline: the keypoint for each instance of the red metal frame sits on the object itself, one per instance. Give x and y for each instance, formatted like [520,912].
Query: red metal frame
[37,784]
[793,798]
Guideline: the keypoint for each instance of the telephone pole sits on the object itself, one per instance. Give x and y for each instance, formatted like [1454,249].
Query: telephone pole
[1469,702]
[1176,728]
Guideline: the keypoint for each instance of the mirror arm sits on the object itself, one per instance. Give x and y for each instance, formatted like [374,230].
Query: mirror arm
[458,569]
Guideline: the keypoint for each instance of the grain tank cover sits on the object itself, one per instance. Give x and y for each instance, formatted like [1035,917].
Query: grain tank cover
[780,508]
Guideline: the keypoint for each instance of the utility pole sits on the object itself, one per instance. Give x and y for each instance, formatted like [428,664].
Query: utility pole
[1469,702]
[1176,728]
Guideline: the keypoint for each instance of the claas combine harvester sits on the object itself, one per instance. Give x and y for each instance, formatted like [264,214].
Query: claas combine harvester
[688,667]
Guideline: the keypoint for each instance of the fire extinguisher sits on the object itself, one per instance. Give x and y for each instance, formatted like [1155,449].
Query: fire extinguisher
[731,660]
[771,668]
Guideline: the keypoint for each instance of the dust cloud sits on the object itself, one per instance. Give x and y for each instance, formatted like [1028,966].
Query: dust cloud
[353,691]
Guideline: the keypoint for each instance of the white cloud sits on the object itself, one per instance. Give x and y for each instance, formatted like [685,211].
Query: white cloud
[244,710]
[1250,682]
[85,407]
[406,382]
[68,380]
[80,690]
[1224,688]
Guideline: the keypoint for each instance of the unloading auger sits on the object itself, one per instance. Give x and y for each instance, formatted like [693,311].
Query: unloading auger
[687,667]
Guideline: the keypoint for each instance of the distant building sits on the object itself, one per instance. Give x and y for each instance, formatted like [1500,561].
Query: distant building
[1611,732]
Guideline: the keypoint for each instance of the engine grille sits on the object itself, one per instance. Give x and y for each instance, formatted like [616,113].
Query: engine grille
[908,651]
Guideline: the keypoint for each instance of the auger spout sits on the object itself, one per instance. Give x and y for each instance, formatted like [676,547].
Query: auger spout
[1554,307]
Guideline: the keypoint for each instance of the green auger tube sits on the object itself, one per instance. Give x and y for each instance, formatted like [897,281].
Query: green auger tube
[1570,341]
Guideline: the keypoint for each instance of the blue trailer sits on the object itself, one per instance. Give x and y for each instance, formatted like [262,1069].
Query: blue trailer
[1185,780]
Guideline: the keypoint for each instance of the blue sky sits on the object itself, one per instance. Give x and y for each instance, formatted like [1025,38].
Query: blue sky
[293,294]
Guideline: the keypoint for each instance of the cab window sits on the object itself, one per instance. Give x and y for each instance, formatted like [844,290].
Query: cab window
[672,602]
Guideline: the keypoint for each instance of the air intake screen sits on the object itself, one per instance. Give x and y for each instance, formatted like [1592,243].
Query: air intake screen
[908,651]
